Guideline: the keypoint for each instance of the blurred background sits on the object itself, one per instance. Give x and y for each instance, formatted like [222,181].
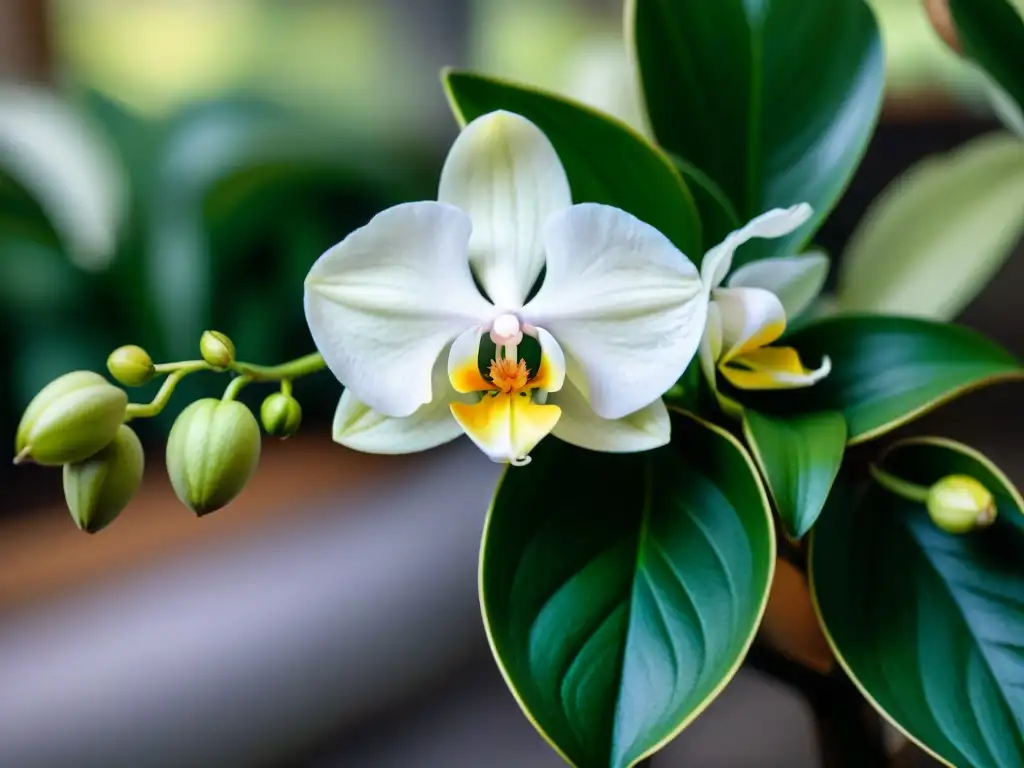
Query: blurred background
[168,166]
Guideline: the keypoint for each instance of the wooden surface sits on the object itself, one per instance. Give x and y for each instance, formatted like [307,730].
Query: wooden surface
[26,51]
[43,552]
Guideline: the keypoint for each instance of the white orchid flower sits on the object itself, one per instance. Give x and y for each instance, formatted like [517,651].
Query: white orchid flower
[747,315]
[399,319]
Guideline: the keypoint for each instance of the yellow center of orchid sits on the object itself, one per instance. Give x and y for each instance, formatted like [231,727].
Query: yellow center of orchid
[508,376]
[511,416]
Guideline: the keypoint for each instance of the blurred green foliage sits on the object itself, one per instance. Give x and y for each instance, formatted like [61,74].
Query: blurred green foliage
[231,201]
[257,135]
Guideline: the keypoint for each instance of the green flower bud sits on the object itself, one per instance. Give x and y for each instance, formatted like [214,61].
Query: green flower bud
[72,418]
[217,349]
[212,451]
[131,366]
[959,504]
[98,488]
[281,415]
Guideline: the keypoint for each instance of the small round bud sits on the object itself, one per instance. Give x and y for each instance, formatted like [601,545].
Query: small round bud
[959,504]
[942,21]
[97,489]
[217,349]
[281,415]
[72,418]
[212,451]
[131,366]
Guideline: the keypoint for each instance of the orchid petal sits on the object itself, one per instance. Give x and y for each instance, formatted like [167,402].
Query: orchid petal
[464,363]
[358,427]
[773,368]
[506,427]
[504,172]
[643,430]
[626,306]
[796,280]
[711,345]
[551,373]
[384,303]
[777,222]
[751,318]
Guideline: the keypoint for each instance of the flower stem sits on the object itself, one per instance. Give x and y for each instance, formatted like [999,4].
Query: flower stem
[247,373]
[184,367]
[900,487]
[151,409]
[294,369]
[235,387]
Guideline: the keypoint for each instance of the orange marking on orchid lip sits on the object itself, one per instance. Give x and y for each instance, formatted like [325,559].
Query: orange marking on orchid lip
[467,378]
[509,376]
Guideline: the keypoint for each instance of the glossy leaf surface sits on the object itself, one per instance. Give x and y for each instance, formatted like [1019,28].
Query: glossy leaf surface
[773,101]
[887,371]
[939,233]
[930,625]
[607,162]
[799,457]
[992,34]
[718,217]
[621,592]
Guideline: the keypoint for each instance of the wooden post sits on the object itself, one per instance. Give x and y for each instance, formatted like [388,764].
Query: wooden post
[25,41]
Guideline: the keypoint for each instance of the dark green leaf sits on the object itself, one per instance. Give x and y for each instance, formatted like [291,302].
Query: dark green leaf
[621,592]
[37,280]
[992,34]
[607,162]
[718,217]
[203,145]
[21,215]
[232,180]
[887,371]
[45,350]
[774,101]
[930,625]
[799,458]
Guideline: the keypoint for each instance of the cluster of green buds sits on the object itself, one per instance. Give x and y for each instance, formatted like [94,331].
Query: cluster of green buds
[80,422]
[957,504]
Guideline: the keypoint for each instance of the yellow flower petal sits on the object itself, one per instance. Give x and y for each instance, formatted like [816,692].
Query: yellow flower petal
[772,368]
[506,427]
[551,372]
[751,318]
[785,359]
[711,345]
[463,364]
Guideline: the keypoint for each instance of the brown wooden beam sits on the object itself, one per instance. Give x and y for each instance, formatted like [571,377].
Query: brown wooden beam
[26,51]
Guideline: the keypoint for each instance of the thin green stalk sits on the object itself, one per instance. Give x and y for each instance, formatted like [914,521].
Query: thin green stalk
[184,367]
[247,373]
[900,487]
[151,409]
[235,387]
[294,369]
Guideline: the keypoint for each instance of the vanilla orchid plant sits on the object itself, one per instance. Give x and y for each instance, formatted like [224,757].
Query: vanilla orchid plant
[676,415]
